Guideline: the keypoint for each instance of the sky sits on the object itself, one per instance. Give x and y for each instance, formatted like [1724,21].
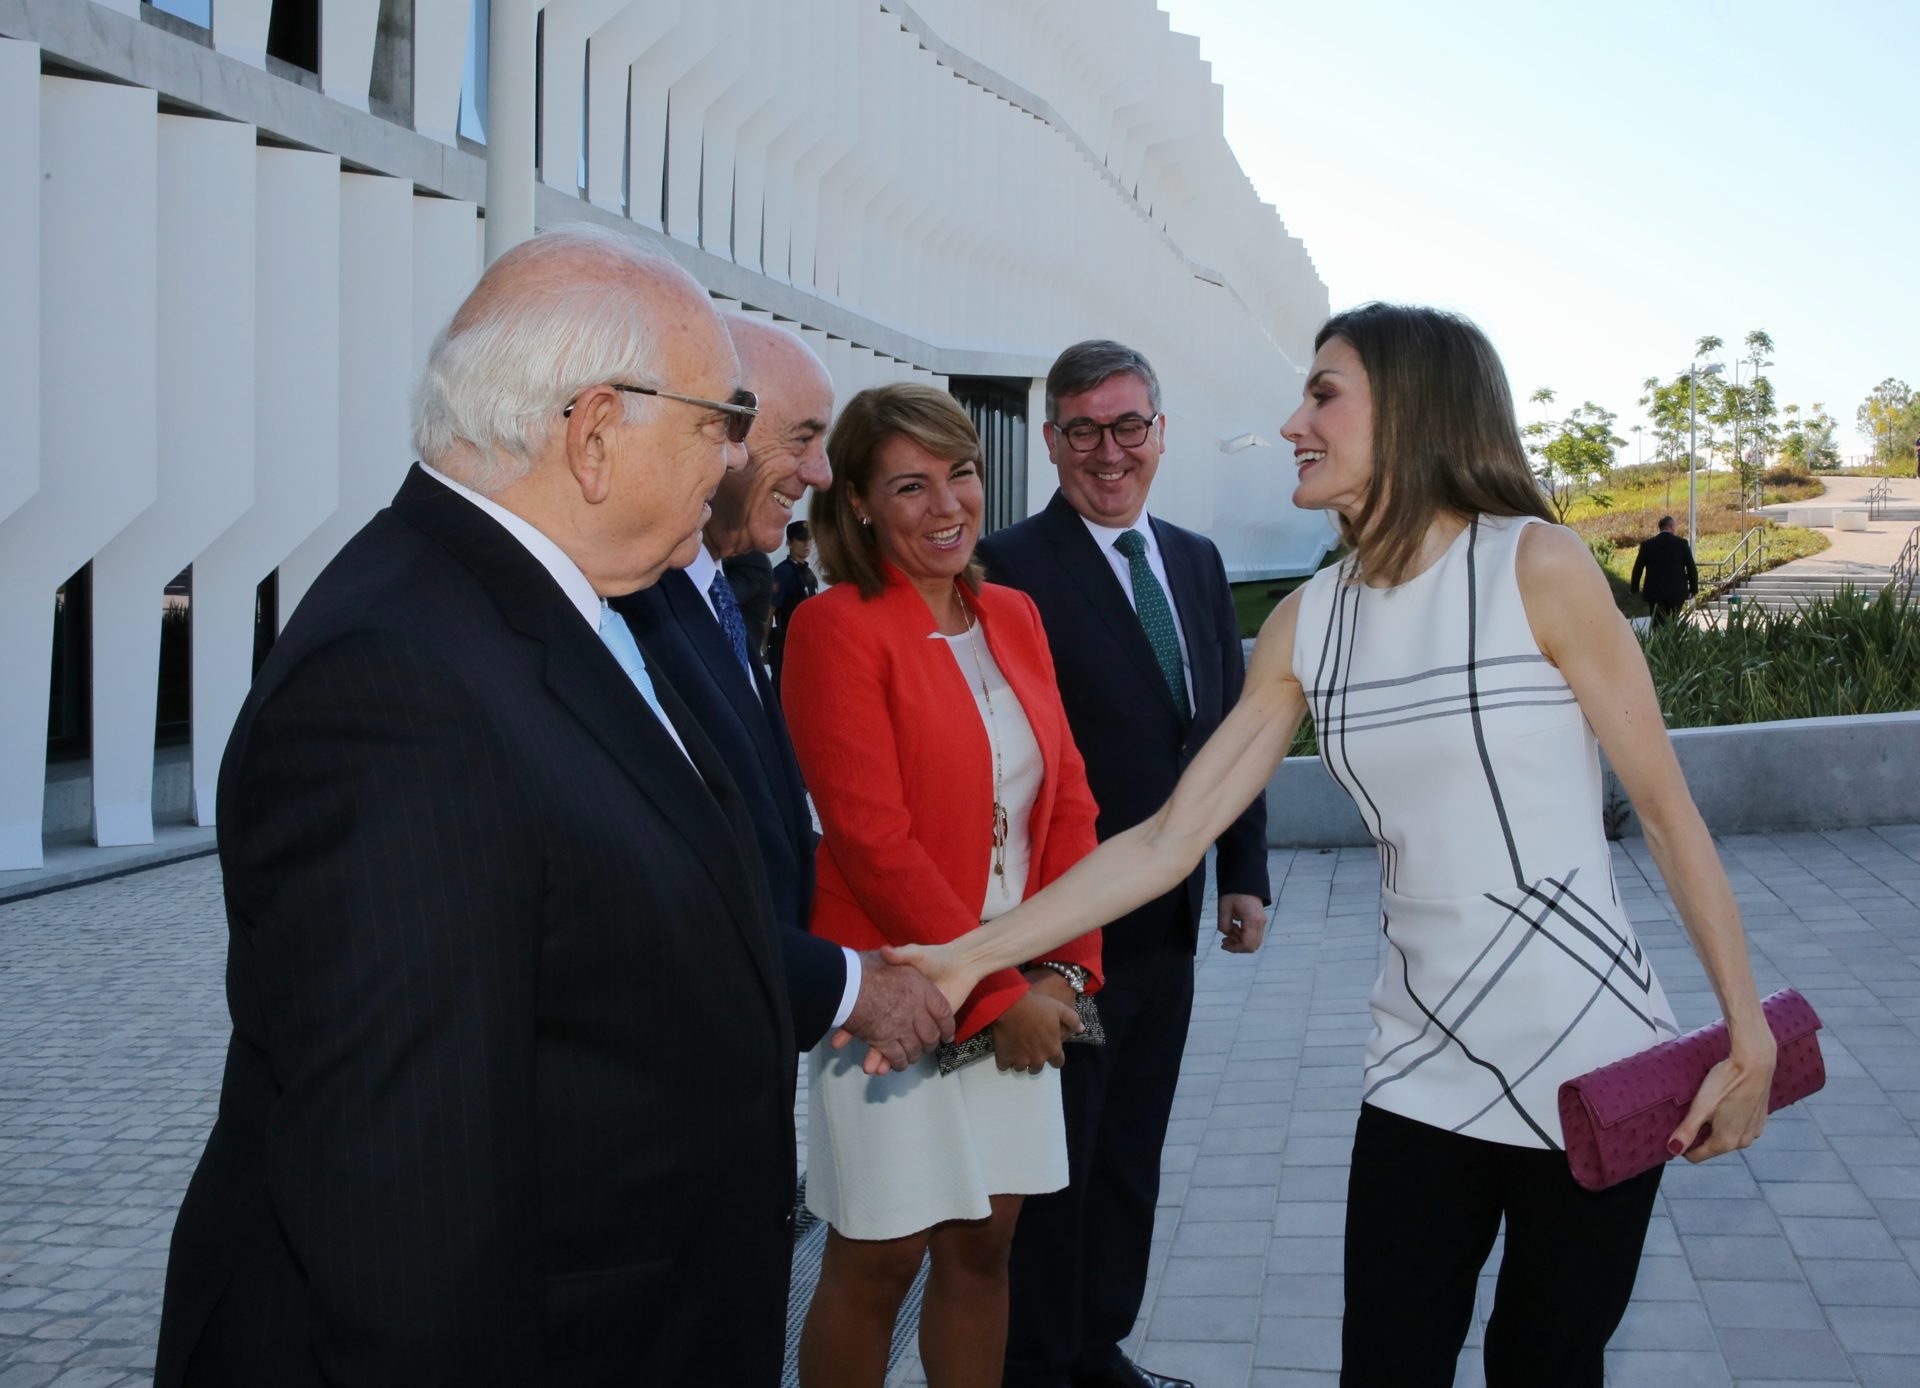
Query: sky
[1600,185]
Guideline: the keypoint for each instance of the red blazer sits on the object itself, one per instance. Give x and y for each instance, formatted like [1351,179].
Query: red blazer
[891,743]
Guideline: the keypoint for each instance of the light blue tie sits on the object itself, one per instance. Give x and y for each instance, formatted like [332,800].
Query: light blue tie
[619,640]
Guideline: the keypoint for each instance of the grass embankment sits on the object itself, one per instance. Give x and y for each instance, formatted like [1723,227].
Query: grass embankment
[1641,495]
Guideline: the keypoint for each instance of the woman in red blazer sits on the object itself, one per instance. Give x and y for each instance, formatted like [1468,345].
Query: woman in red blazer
[923,709]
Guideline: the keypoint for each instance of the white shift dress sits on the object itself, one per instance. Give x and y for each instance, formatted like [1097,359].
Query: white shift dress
[890,1155]
[1510,966]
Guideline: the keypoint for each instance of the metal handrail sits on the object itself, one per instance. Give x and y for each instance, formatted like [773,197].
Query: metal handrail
[1722,574]
[1751,550]
[1878,495]
[1906,569]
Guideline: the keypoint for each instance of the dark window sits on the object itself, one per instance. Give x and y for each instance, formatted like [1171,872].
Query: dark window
[70,707]
[998,406]
[173,709]
[266,618]
[293,34]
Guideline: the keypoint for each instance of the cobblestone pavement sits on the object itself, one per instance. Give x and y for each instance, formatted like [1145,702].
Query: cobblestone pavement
[1794,1263]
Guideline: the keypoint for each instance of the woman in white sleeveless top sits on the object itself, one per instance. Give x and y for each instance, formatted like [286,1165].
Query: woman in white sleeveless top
[1458,666]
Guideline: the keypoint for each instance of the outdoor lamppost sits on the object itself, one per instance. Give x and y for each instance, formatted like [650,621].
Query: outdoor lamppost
[1694,373]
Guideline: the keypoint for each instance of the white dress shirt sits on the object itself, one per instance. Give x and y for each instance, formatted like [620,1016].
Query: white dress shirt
[554,560]
[1104,536]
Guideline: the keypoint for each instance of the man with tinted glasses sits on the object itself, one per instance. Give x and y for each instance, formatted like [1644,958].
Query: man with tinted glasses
[1146,648]
[509,1094]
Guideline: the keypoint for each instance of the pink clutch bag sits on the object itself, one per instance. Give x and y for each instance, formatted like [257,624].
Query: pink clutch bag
[1618,1119]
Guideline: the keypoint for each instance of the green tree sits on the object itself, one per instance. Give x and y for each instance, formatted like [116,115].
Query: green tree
[1666,406]
[1806,438]
[1706,391]
[1889,419]
[1575,455]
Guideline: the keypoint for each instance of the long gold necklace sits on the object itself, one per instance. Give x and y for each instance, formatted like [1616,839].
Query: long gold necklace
[993,740]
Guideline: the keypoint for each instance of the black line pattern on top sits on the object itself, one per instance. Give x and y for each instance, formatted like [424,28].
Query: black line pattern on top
[1348,644]
[1473,702]
[1506,1089]
[1466,1012]
[1486,663]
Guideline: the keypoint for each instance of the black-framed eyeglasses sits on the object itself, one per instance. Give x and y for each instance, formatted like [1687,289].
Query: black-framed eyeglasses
[1129,431]
[740,411]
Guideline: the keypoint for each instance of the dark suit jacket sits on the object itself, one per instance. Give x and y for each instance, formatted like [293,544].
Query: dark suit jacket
[507,1102]
[1664,570]
[676,628]
[1122,713]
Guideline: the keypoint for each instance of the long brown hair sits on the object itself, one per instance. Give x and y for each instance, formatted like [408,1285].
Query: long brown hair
[1444,433]
[849,551]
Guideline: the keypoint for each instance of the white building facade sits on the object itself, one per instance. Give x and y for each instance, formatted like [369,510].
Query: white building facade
[230,228]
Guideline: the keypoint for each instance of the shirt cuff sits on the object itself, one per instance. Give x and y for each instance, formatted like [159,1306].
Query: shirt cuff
[849,994]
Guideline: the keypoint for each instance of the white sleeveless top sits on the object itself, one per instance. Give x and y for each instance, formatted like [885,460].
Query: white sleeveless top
[1010,738]
[1510,966]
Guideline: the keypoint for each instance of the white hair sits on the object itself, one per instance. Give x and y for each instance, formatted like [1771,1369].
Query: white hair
[497,378]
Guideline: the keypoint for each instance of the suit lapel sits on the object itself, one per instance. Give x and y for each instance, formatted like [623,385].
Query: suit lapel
[1090,572]
[697,799]
[710,645]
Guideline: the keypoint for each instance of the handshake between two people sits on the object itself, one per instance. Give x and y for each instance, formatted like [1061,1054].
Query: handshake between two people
[906,1006]
[909,993]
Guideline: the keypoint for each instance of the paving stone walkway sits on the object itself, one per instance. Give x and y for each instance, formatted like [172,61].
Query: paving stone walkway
[1794,1263]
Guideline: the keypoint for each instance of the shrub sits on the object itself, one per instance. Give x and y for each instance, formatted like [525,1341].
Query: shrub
[1786,475]
[1839,655]
[1850,654]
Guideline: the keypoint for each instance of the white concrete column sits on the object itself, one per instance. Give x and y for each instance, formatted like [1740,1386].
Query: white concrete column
[295,383]
[203,442]
[95,199]
[611,128]
[510,122]
[347,32]
[376,369]
[19,274]
[439,64]
[240,29]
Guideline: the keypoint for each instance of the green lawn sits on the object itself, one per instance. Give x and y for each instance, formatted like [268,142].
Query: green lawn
[1253,601]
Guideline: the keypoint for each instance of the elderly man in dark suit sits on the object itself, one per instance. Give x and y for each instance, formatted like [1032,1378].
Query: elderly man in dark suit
[1664,573]
[691,625]
[1147,652]
[508,1099]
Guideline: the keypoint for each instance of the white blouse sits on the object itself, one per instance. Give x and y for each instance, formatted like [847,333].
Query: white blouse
[1021,768]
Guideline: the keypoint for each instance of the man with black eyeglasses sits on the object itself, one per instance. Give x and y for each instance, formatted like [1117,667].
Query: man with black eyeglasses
[1146,649]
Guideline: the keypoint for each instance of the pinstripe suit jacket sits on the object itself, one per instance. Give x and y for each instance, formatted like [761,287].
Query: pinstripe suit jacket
[472,1129]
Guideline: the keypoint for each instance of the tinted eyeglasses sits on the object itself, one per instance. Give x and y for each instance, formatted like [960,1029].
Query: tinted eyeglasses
[740,411]
[1129,431]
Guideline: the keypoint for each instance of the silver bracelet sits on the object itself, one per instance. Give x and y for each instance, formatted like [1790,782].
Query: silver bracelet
[1074,974]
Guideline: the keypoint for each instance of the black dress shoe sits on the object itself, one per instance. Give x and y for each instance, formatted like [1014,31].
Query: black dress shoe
[1127,1374]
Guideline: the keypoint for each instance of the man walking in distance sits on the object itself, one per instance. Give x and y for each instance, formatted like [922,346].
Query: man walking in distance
[794,581]
[691,627]
[1147,651]
[508,1099]
[1664,573]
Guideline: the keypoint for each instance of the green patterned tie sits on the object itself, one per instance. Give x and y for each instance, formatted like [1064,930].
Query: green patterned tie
[1150,601]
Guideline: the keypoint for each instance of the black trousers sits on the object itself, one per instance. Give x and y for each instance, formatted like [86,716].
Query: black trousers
[1079,1262]
[1664,610]
[1423,1206]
